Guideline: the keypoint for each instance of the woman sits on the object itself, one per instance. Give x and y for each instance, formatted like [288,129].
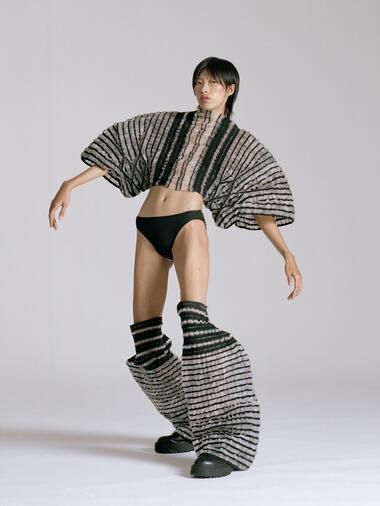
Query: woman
[187,160]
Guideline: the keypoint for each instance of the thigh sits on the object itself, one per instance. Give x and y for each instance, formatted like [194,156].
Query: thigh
[191,260]
[150,280]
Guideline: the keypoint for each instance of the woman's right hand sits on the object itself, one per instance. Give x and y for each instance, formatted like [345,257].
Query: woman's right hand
[62,198]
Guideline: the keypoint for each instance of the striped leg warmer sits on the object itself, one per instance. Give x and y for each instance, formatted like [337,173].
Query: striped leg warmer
[157,370]
[224,412]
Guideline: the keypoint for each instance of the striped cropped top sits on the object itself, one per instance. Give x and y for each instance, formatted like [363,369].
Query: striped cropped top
[202,151]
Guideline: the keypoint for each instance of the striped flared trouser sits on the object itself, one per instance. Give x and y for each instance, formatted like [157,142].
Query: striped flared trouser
[209,395]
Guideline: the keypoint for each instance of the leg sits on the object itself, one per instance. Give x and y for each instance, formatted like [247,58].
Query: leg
[150,280]
[191,260]
[224,413]
[156,369]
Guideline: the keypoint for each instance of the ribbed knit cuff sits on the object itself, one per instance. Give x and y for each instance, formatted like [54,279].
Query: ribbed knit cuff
[152,346]
[192,310]
[200,336]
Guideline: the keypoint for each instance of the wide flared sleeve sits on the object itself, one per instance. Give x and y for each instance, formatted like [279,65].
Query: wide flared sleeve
[254,184]
[120,150]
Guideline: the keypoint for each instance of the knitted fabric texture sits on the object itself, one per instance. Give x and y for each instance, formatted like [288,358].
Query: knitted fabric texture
[223,409]
[198,151]
[152,346]
[157,371]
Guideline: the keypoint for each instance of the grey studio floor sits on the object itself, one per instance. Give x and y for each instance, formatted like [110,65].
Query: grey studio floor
[93,445]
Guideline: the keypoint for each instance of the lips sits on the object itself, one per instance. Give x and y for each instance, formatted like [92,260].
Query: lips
[205,98]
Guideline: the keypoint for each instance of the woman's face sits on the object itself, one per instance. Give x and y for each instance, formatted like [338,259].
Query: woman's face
[211,94]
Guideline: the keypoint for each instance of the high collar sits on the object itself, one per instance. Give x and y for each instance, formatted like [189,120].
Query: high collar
[208,114]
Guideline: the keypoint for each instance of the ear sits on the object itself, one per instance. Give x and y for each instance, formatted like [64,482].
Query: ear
[232,89]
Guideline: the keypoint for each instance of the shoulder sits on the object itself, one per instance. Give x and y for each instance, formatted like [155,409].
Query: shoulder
[244,141]
[155,115]
[245,134]
[149,118]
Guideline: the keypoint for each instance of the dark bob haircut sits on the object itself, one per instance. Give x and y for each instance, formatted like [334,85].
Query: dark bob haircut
[222,71]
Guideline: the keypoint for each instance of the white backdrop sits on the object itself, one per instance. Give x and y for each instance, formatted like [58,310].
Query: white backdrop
[309,91]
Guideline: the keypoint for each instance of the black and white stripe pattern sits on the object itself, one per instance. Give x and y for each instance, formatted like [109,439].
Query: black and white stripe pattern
[157,370]
[152,346]
[201,151]
[223,409]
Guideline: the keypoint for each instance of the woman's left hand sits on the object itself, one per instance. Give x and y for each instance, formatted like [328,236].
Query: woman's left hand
[292,272]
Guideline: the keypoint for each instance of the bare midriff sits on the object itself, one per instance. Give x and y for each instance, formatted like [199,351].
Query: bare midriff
[162,201]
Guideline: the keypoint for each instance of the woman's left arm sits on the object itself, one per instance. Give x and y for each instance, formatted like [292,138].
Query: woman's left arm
[271,230]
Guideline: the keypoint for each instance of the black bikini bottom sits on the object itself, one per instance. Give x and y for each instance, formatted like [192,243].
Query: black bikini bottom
[162,230]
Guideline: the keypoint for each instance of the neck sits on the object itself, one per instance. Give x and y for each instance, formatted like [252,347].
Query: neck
[209,113]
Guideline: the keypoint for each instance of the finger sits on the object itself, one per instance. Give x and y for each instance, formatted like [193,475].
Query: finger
[290,296]
[62,213]
[292,293]
[299,285]
[51,213]
[294,286]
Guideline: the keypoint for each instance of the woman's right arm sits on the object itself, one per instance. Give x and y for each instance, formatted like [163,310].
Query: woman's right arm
[62,198]
[84,177]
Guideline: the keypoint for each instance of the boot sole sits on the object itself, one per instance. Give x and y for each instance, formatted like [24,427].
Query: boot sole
[216,471]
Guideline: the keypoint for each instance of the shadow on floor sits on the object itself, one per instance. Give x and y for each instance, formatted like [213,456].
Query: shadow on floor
[130,447]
